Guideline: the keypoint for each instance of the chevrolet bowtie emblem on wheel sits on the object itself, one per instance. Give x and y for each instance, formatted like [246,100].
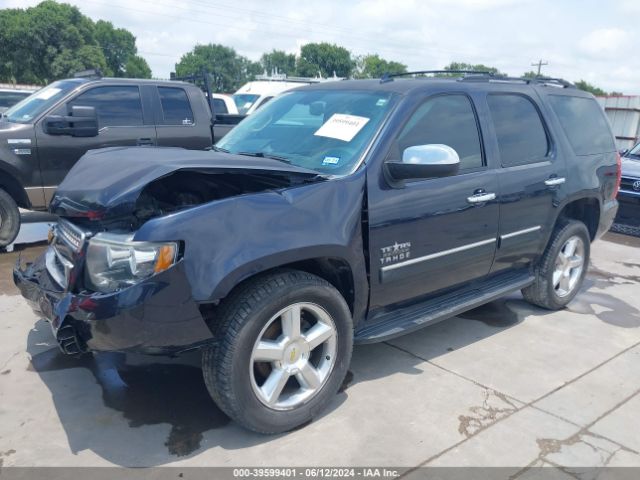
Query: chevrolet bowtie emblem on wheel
[636,185]
[292,355]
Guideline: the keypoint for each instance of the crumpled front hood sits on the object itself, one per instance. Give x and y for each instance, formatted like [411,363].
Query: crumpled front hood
[107,182]
[630,167]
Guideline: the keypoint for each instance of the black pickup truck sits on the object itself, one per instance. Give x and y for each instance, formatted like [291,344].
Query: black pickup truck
[347,211]
[42,137]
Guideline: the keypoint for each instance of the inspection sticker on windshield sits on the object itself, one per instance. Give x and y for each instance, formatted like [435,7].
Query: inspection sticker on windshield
[331,161]
[342,127]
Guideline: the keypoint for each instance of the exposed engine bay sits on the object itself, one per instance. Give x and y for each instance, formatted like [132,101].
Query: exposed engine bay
[186,189]
[119,189]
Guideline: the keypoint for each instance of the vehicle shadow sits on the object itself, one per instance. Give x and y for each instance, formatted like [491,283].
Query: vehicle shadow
[108,402]
[104,401]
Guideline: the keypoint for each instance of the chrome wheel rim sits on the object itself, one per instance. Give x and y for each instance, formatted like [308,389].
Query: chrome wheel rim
[293,356]
[569,266]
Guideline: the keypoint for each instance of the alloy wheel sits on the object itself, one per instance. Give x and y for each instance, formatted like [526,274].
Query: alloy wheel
[293,356]
[569,266]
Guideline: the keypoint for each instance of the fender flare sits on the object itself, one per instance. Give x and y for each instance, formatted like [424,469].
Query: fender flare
[282,259]
[9,182]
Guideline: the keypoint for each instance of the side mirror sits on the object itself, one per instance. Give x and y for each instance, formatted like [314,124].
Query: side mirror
[424,161]
[82,122]
[623,152]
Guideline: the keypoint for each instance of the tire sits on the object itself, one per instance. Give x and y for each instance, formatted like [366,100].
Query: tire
[556,262]
[9,219]
[236,373]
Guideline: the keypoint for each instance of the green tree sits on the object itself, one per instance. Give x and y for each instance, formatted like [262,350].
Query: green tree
[13,27]
[530,74]
[587,87]
[479,67]
[278,60]
[49,41]
[117,44]
[228,70]
[372,66]
[67,62]
[136,67]
[324,59]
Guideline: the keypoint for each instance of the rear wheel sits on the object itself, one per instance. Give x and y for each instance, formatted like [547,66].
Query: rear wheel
[285,346]
[562,268]
[9,219]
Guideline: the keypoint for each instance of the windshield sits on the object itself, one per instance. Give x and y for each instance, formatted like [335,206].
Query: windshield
[35,104]
[244,101]
[326,131]
[635,150]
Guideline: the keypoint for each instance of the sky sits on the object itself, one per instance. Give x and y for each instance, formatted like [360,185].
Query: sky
[590,40]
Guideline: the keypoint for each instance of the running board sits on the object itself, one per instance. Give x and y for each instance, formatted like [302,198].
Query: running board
[407,319]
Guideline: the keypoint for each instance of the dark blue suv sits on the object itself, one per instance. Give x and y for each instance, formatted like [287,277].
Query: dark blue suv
[628,218]
[343,212]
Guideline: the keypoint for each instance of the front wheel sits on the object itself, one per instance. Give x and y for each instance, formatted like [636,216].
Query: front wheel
[9,219]
[285,342]
[562,268]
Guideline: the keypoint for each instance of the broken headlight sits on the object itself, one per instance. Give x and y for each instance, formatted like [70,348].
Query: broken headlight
[114,261]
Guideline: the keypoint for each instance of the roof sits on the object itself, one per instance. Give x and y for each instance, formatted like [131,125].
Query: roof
[133,81]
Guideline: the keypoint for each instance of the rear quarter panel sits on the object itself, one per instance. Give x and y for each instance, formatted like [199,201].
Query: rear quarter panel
[588,176]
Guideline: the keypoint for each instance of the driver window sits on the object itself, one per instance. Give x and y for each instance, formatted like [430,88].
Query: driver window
[448,120]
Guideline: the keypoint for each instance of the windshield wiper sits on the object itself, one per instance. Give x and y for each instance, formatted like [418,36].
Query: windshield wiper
[218,149]
[265,155]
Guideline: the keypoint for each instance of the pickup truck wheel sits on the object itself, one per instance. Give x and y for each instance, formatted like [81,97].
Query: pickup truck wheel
[285,342]
[9,219]
[562,268]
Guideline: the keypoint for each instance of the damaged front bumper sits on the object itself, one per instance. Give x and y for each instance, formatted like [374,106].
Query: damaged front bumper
[156,316]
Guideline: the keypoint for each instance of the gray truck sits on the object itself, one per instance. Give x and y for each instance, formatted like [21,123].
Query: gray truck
[44,135]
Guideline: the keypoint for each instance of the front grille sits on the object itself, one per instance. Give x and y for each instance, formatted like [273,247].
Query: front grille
[62,255]
[58,267]
[71,234]
[626,183]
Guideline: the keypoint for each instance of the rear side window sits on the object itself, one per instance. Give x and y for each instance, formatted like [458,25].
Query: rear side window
[521,136]
[115,106]
[219,106]
[448,120]
[176,109]
[584,123]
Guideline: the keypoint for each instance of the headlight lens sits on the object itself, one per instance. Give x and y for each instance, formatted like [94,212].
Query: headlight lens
[115,261]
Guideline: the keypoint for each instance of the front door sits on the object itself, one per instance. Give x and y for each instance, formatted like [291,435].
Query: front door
[433,234]
[121,120]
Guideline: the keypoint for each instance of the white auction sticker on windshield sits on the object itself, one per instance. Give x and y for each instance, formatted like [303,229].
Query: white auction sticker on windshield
[342,127]
[47,94]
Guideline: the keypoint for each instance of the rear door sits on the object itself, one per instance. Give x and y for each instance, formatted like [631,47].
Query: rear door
[176,122]
[531,178]
[433,234]
[122,122]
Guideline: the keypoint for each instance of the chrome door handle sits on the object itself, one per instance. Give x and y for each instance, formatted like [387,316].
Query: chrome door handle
[481,197]
[552,182]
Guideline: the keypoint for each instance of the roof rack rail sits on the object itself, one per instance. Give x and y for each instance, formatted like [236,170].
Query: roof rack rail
[552,81]
[483,75]
[388,77]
